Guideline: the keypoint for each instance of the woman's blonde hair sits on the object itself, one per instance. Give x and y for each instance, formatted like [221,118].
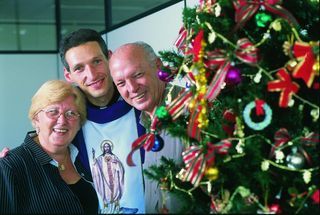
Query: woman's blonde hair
[54,91]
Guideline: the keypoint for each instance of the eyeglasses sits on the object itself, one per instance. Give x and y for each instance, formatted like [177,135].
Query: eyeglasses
[54,113]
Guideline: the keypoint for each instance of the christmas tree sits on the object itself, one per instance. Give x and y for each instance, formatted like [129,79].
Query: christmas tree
[249,115]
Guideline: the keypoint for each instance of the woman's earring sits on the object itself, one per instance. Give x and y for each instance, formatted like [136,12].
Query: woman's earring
[37,130]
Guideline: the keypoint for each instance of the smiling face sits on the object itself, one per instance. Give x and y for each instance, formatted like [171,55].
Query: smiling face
[56,134]
[89,70]
[136,77]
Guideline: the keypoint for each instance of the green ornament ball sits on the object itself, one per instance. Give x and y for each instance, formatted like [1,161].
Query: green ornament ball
[262,19]
[162,113]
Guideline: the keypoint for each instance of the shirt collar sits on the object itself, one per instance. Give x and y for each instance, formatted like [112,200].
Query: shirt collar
[73,155]
[108,114]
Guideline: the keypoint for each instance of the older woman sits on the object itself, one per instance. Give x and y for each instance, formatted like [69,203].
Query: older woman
[43,175]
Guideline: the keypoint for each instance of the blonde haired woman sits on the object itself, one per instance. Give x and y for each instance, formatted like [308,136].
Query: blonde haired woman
[43,175]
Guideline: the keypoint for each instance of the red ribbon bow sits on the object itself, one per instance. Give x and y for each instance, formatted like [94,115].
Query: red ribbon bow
[146,141]
[178,105]
[207,5]
[245,9]
[218,59]
[284,85]
[180,42]
[246,51]
[280,137]
[311,139]
[197,158]
[304,54]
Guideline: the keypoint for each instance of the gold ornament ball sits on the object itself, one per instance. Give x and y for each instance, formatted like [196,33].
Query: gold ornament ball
[212,173]
[192,104]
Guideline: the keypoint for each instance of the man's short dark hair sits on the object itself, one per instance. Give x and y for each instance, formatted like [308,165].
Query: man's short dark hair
[80,37]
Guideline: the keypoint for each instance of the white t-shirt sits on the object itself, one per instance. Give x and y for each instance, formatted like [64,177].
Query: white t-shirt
[119,186]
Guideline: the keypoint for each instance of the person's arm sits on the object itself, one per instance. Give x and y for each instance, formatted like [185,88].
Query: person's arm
[4,152]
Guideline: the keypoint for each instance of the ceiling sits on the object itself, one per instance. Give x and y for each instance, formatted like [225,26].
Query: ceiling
[82,11]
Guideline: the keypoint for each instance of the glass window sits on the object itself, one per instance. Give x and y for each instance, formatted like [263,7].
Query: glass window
[38,37]
[77,14]
[8,37]
[26,27]
[32,25]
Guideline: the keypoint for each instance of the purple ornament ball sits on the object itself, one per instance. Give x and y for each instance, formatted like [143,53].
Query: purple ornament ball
[164,76]
[233,76]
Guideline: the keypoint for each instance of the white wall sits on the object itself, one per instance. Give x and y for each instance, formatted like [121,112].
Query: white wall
[21,75]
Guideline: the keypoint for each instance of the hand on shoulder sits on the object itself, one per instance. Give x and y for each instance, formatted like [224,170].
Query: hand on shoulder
[4,152]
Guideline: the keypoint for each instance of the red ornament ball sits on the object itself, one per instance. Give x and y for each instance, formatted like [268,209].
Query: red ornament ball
[275,208]
[315,197]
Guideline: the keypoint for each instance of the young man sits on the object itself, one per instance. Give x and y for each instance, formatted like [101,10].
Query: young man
[84,55]
[134,68]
